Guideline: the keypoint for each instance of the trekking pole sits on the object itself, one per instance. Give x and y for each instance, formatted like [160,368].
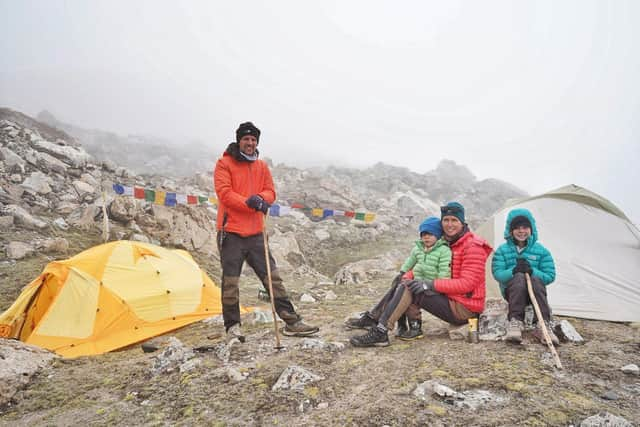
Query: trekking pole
[547,337]
[273,304]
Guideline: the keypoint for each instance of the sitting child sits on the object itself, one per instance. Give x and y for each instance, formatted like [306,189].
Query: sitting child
[522,254]
[430,259]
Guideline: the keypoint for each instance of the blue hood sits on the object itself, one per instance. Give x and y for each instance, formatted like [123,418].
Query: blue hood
[521,212]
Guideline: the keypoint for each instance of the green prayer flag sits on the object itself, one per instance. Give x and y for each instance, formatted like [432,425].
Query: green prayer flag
[149,195]
[360,216]
[202,199]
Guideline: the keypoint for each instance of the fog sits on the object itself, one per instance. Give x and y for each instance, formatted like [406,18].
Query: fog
[540,94]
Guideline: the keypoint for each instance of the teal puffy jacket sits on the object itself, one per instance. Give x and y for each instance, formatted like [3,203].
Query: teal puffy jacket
[505,258]
[435,264]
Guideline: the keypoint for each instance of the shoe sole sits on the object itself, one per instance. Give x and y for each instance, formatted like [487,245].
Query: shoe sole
[376,344]
[299,334]
[365,328]
[417,337]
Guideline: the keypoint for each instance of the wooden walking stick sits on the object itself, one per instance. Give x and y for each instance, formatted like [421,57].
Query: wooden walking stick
[273,304]
[541,323]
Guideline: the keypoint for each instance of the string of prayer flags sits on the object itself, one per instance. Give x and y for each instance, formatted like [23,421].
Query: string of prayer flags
[165,198]
[172,199]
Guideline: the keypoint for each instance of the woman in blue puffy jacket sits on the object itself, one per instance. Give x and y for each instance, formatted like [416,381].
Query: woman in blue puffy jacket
[520,254]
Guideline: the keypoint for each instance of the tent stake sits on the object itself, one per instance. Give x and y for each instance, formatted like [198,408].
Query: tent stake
[541,323]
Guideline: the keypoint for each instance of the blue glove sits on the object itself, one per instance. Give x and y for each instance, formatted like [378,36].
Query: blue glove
[256,202]
[419,286]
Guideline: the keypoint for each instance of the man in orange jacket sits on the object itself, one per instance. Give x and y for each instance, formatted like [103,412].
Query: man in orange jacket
[245,191]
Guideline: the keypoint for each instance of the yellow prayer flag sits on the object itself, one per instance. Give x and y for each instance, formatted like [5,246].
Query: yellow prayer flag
[160,196]
[368,217]
[213,200]
[317,212]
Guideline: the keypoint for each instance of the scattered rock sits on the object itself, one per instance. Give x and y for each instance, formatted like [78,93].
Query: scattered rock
[172,357]
[38,182]
[234,375]
[295,378]
[321,234]
[631,369]
[55,245]
[151,345]
[22,217]
[260,317]
[609,395]
[368,269]
[431,387]
[492,325]
[61,223]
[605,419]
[566,332]
[18,250]
[471,399]
[330,295]
[307,298]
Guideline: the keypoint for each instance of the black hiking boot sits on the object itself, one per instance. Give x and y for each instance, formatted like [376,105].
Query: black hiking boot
[402,327]
[374,338]
[363,322]
[414,332]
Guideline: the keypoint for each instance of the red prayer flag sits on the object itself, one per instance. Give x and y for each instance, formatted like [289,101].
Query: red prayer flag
[350,214]
[138,192]
[192,200]
[297,206]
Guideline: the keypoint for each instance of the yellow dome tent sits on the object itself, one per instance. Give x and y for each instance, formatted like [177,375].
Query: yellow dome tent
[111,296]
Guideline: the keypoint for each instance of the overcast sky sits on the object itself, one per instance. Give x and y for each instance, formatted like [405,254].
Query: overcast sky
[540,94]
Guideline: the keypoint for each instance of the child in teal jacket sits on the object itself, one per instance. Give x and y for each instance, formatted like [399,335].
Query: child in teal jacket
[522,254]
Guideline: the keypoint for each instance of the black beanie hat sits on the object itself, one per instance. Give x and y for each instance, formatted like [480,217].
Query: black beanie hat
[518,221]
[247,128]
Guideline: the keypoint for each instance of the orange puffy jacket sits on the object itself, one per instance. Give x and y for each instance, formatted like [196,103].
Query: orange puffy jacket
[234,182]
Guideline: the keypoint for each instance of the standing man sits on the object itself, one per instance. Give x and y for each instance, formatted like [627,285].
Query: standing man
[453,300]
[245,191]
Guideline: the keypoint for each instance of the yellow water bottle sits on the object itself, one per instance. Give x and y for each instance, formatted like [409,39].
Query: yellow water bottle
[472,337]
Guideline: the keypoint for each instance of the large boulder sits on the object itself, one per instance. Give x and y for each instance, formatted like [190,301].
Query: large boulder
[12,161]
[38,183]
[18,363]
[368,269]
[22,217]
[123,209]
[74,156]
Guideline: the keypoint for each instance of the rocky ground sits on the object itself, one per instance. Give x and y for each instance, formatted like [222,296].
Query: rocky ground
[51,208]
[199,380]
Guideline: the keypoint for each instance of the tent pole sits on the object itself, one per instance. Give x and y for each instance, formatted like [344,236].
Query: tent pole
[541,323]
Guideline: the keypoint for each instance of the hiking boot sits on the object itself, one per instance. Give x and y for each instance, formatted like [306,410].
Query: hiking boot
[374,338]
[414,332]
[299,329]
[234,332]
[514,331]
[363,322]
[537,332]
[402,327]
